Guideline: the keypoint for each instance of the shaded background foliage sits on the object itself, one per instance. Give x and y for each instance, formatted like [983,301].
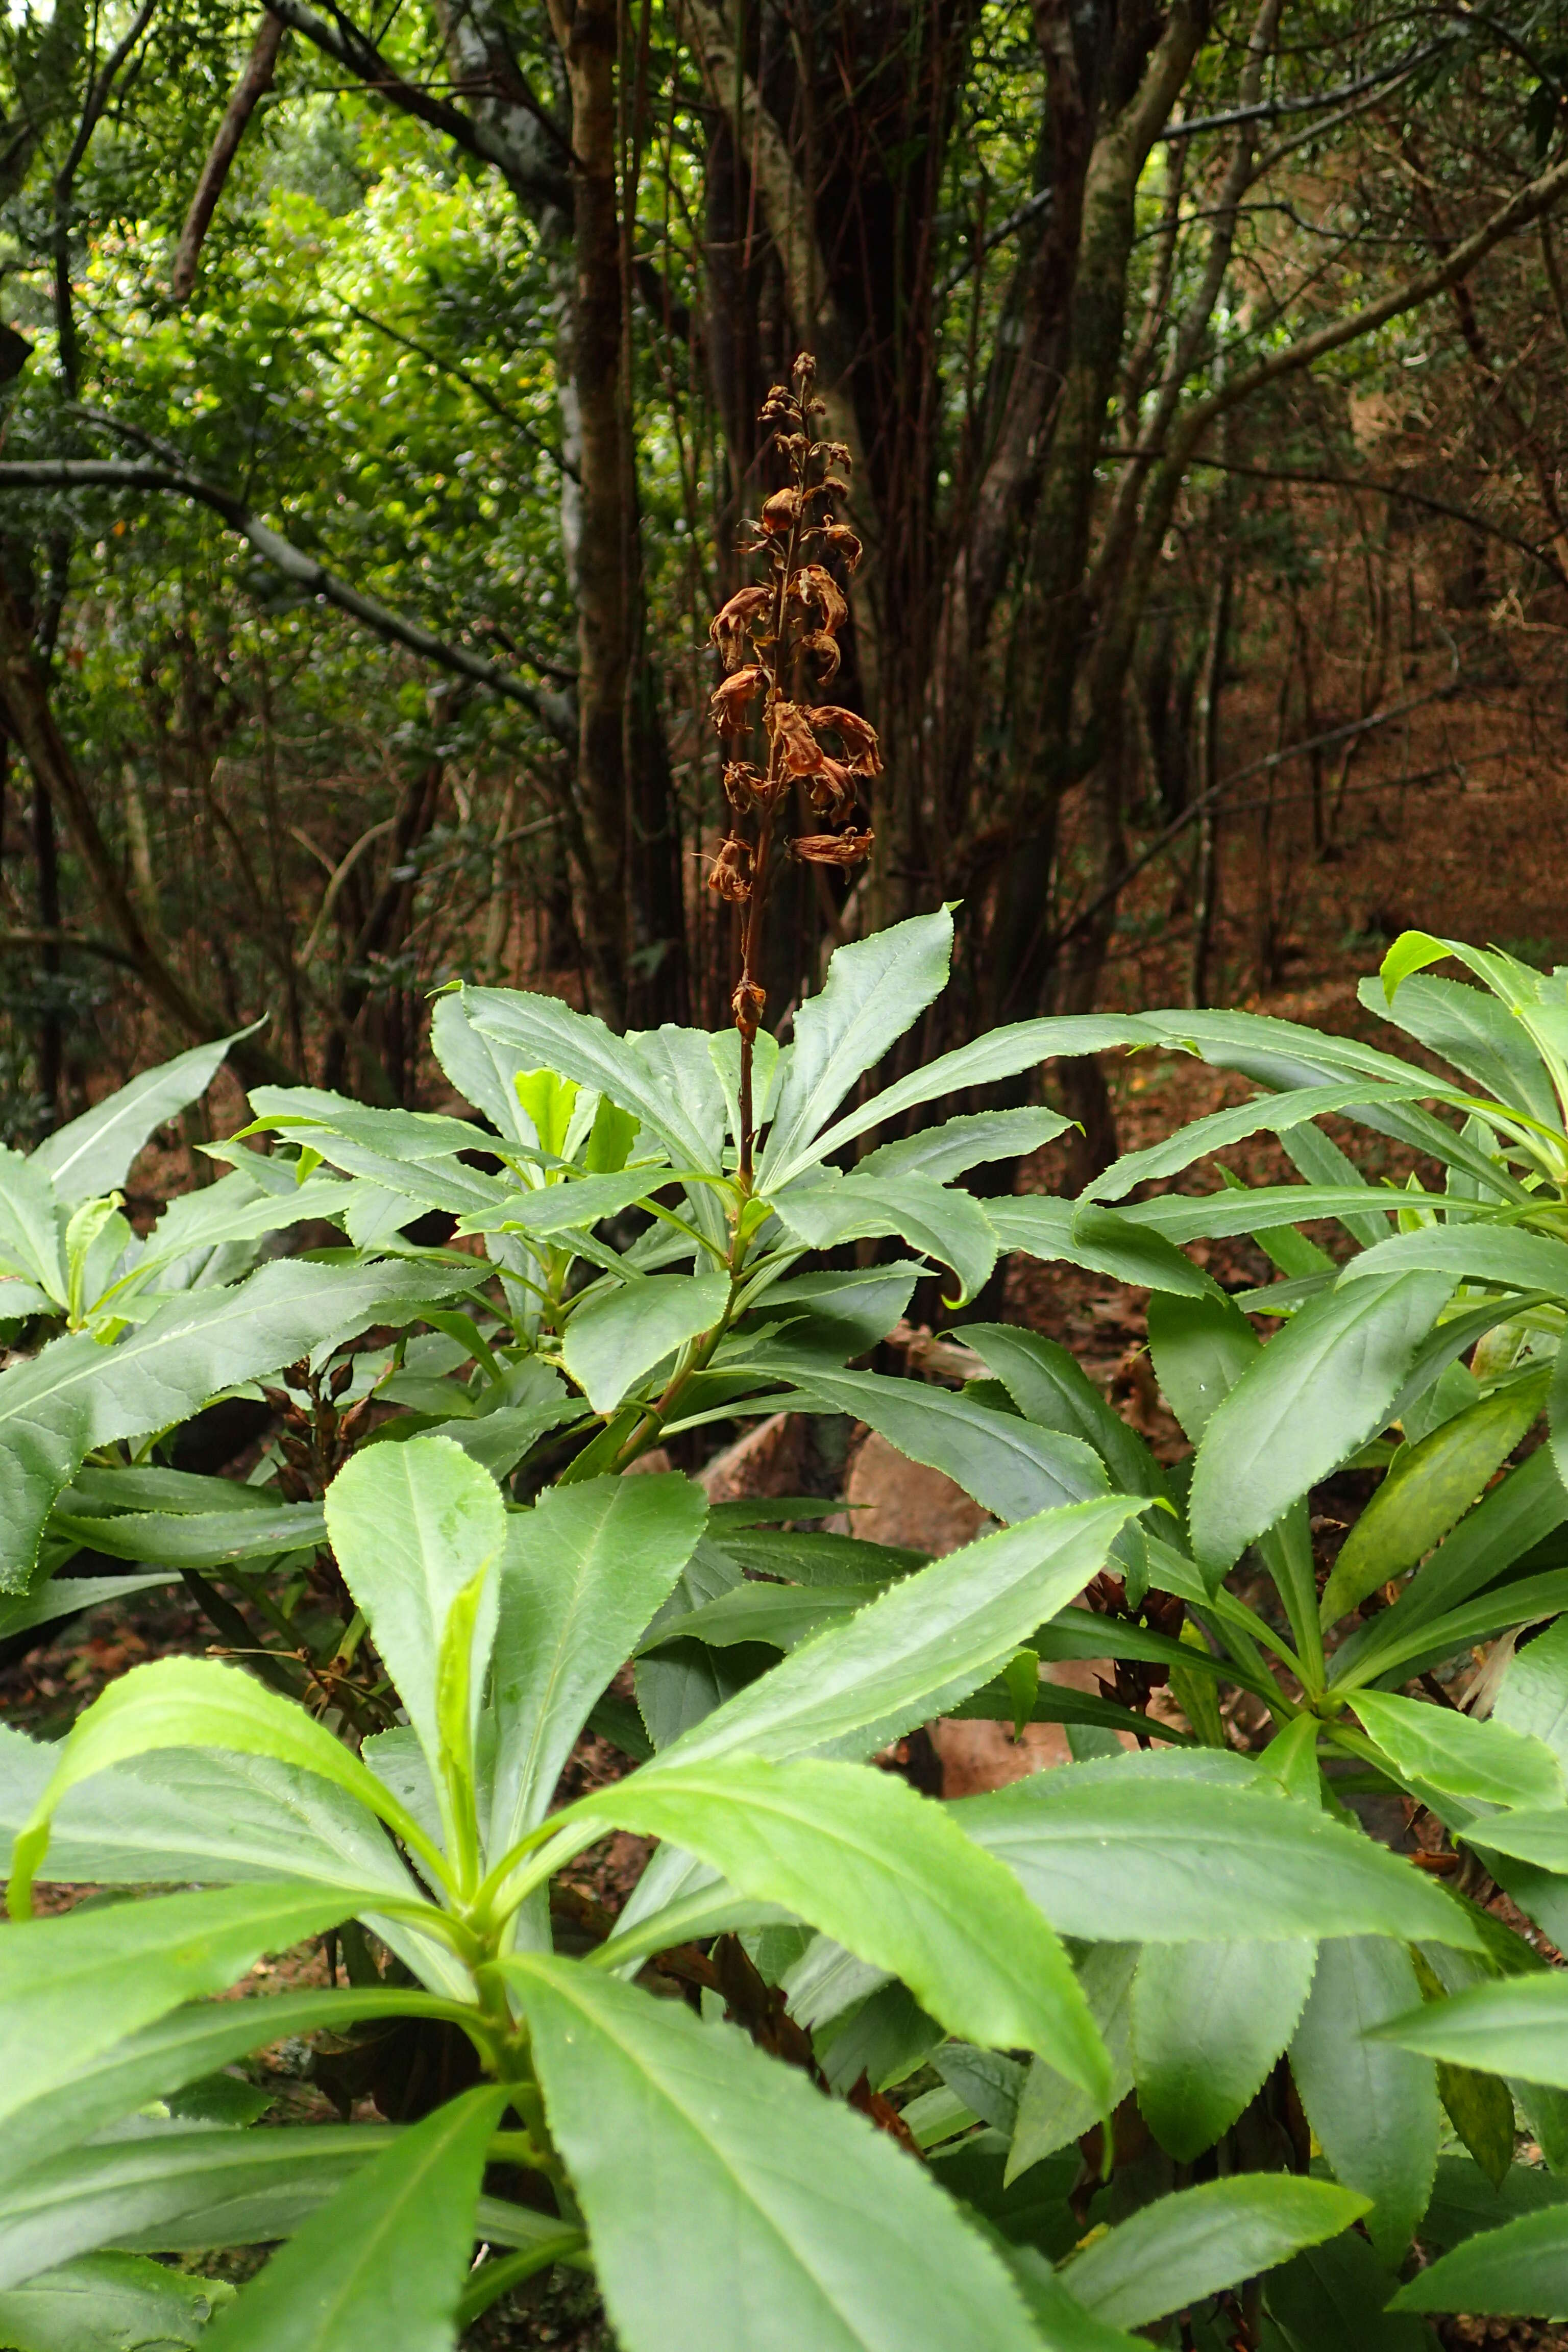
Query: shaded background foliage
[1202,371]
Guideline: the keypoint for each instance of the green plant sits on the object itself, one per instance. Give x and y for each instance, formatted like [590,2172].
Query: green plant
[1424,1350]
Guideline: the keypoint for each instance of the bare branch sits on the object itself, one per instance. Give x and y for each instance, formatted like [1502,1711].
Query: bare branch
[252,86]
[554,711]
[1270,110]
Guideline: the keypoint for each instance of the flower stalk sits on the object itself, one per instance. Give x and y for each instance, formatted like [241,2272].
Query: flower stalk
[778,640]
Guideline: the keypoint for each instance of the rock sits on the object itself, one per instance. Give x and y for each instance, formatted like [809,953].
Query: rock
[772,1459]
[904,1503]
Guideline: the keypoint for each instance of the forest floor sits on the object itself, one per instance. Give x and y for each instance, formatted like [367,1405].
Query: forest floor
[1456,822]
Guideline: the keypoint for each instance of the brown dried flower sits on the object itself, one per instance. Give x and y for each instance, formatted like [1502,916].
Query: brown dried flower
[845,544]
[811,585]
[831,790]
[780,511]
[862,752]
[730,707]
[789,727]
[747,1003]
[731,873]
[824,651]
[745,787]
[833,848]
[730,628]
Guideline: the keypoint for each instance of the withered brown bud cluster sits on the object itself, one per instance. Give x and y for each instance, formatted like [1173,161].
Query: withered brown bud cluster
[778,641]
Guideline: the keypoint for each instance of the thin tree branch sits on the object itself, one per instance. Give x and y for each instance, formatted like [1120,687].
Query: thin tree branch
[1270,110]
[554,711]
[251,87]
[341,40]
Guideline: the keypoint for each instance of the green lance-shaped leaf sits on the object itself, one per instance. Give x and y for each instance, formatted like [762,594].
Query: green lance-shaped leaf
[32,1226]
[946,1152]
[888,1875]
[816,2231]
[1052,2111]
[928,1641]
[77,1395]
[1265,1115]
[1049,1387]
[1010,1467]
[1484,1763]
[386,2261]
[1202,1348]
[1474,1034]
[180,2048]
[615,1339]
[1099,1239]
[1335,2295]
[196,1814]
[582,1575]
[576,1205]
[538,1032]
[1427,1489]
[875,989]
[1209,2022]
[92,1154]
[175,2192]
[110,2300]
[1320,1389]
[1517,2272]
[68,1596]
[1373,2105]
[483,1073]
[72,1987]
[1480,2108]
[1557,1414]
[197,1539]
[1475,1250]
[1532,1697]
[1117,1850]
[418,1530]
[948,1225]
[1200,2240]
[1273,1209]
[197,1703]
[1517,2028]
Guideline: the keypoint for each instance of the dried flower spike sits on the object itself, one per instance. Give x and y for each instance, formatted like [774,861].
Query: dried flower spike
[776,639]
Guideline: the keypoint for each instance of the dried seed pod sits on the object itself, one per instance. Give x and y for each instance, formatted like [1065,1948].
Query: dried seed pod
[834,453]
[780,511]
[731,707]
[340,1380]
[833,848]
[862,752]
[747,1003]
[731,872]
[730,628]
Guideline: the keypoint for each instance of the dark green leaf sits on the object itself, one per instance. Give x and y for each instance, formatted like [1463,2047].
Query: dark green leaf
[1209,2022]
[1192,2245]
[1372,2107]
[1520,2270]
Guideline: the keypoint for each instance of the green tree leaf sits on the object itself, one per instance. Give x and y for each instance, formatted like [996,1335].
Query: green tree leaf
[1427,1489]
[946,1152]
[1099,1239]
[615,1339]
[888,1875]
[1264,1114]
[1334,2295]
[1485,1762]
[1209,2022]
[197,1703]
[541,1033]
[417,1530]
[950,1226]
[72,1987]
[927,1642]
[1373,2106]
[1480,2109]
[1517,2027]
[92,1154]
[875,989]
[1519,2271]
[386,2261]
[107,2301]
[1319,1390]
[1199,2241]
[1110,1851]
[179,2049]
[819,2232]
[582,1575]
[1532,1697]
[1049,1387]
[1010,1467]
[1053,2111]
